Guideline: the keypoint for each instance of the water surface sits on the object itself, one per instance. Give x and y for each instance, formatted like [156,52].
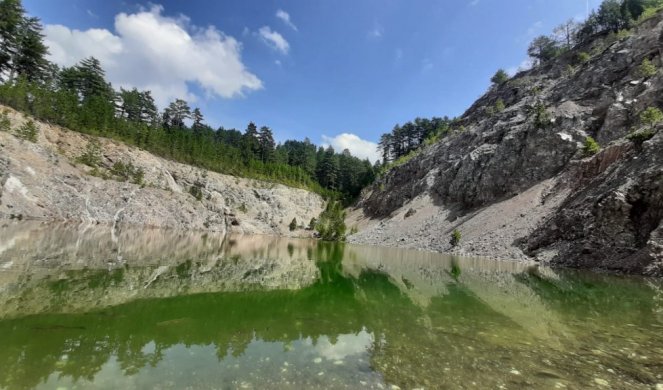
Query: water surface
[88,307]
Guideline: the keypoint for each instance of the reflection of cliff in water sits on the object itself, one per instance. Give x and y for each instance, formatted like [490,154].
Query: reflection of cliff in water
[419,319]
[46,267]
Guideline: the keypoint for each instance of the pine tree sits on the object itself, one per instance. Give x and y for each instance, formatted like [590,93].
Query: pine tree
[11,18]
[266,142]
[30,57]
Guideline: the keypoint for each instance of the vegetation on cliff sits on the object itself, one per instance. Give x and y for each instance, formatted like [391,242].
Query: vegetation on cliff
[80,98]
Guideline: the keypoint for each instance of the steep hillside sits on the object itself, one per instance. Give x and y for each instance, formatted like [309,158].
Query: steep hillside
[46,180]
[519,183]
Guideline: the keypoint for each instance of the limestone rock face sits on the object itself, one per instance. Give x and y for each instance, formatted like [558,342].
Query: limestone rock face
[521,187]
[43,181]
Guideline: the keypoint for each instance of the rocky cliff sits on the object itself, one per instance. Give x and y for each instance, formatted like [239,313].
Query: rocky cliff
[517,183]
[45,181]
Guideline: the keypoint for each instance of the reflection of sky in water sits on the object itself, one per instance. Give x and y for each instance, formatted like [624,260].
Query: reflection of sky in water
[305,363]
[346,345]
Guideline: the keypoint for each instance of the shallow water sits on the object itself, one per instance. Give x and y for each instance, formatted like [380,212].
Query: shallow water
[84,307]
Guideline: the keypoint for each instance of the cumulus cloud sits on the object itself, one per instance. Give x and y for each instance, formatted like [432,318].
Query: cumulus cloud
[285,17]
[274,39]
[163,54]
[358,147]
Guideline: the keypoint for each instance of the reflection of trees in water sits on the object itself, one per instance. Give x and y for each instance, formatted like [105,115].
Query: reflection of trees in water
[33,347]
[411,344]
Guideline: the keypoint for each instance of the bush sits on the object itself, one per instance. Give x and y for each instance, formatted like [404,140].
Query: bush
[542,118]
[28,131]
[312,223]
[196,192]
[641,136]
[92,155]
[455,238]
[591,146]
[331,224]
[651,117]
[499,105]
[647,69]
[583,57]
[500,77]
[5,123]
[128,171]
[293,225]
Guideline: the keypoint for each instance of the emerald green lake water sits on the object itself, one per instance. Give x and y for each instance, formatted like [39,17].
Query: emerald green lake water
[92,308]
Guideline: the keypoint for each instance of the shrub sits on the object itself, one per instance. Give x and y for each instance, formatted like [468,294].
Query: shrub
[651,117]
[499,105]
[5,123]
[583,57]
[293,224]
[92,155]
[331,224]
[500,77]
[28,131]
[128,171]
[591,146]
[641,136]
[455,238]
[647,69]
[196,192]
[243,208]
[542,118]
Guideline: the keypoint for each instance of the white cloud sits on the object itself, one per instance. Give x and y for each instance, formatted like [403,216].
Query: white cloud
[525,64]
[358,147]
[285,17]
[159,53]
[274,39]
[376,32]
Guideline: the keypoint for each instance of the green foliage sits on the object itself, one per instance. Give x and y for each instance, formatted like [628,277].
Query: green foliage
[651,117]
[499,105]
[641,136]
[197,192]
[92,154]
[647,69]
[397,163]
[411,136]
[5,122]
[544,49]
[649,12]
[331,224]
[312,223]
[293,225]
[28,131]
[500,77]
[354,230]
[127,171]
[583,57]
[295,163]
[542,118]
[455,238]
[591,147]
[243,208]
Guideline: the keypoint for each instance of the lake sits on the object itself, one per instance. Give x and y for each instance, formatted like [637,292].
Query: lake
[92,307]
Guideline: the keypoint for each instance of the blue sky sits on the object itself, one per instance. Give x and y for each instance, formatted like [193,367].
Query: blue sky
[343,66]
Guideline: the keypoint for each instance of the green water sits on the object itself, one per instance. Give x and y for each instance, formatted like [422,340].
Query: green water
[84,307]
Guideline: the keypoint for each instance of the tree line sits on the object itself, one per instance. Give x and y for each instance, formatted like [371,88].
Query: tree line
[406,138]
[612,16]
[80,98]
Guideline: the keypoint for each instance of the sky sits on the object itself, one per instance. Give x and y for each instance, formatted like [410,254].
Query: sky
[340,72]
